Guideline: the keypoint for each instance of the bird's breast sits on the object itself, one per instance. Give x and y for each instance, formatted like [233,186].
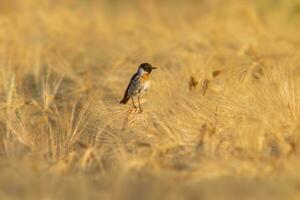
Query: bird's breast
[145,86]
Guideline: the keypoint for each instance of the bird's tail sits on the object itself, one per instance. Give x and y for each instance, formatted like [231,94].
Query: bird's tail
[124,100]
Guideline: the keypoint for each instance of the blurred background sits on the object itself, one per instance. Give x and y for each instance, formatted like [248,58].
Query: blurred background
[221,120]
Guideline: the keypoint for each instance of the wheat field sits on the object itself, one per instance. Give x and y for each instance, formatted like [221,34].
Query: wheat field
[221,120]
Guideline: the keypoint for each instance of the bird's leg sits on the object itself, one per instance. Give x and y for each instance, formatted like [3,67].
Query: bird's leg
[139,103]
[133,103]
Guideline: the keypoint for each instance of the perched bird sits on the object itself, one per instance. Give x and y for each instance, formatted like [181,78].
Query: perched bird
[138,85]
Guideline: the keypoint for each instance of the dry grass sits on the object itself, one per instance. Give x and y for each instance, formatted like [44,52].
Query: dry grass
[221,121]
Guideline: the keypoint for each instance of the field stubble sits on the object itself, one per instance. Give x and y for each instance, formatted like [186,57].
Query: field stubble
[221,120]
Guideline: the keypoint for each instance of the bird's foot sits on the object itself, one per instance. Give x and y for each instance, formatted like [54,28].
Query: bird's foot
[140,111]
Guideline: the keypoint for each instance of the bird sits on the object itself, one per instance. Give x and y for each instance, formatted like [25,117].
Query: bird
[139,84]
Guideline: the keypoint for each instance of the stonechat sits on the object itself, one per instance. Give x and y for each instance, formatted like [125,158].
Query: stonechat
[138,85]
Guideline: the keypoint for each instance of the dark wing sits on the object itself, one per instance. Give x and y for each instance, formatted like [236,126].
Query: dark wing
[132,86]
[135,76]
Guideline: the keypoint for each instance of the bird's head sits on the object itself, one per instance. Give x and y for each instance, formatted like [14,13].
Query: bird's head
[145,68]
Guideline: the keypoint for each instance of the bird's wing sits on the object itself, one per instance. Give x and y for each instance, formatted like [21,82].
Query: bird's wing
[133,85]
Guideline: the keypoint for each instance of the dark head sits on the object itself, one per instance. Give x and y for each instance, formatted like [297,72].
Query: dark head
[145,68]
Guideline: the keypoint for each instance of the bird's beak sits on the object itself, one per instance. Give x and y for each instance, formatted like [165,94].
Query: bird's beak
[154,67]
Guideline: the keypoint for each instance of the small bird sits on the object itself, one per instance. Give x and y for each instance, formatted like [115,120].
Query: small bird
[138,85]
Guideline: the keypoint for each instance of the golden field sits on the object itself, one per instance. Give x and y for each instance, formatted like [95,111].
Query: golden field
[221,120]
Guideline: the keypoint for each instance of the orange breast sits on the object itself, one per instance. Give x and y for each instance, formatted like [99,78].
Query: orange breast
[145,77]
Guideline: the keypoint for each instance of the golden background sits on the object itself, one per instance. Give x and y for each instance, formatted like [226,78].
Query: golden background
[221,120]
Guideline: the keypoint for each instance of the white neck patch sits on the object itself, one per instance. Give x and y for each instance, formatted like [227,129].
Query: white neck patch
[141,71]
